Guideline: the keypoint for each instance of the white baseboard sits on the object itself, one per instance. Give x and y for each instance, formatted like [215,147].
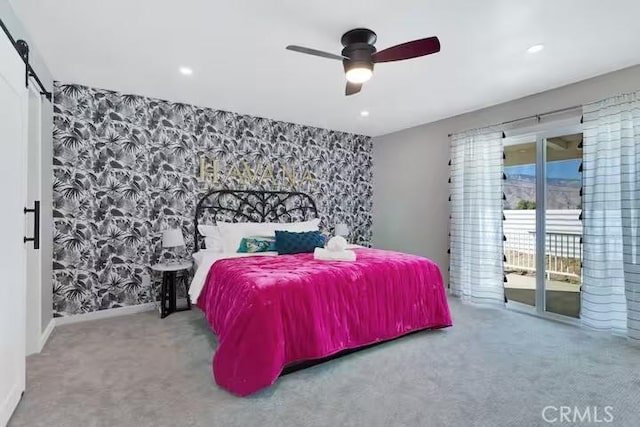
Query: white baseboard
[44,337]
[104,314]
[10,403]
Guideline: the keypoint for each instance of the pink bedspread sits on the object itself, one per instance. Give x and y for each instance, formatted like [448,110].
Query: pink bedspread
[271,311]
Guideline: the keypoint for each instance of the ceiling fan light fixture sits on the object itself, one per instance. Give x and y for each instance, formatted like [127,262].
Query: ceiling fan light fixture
[359,73]
[359,55]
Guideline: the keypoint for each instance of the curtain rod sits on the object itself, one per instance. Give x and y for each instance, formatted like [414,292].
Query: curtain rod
[536,116]
[22,48]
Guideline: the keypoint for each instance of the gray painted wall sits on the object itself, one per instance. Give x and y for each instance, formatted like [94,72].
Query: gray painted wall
[46,206]
[46,231]
[410,167]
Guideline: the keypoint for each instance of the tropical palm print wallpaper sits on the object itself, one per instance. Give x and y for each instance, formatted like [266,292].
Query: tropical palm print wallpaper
[126,168]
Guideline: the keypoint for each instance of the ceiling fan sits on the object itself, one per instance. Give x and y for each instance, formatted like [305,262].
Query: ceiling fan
[359,54]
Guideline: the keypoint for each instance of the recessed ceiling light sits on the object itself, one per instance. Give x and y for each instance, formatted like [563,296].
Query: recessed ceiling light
[364,113]
[535,48]
[186,71]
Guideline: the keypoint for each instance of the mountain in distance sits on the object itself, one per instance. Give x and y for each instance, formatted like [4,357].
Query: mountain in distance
[561,193]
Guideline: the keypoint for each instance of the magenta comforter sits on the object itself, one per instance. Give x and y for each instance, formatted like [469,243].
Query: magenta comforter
[271,311]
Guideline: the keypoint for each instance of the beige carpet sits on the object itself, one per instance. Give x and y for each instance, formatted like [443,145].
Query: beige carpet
[493,368]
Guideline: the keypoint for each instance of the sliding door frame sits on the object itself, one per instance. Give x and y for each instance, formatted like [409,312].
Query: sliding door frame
[540,136]
[541,227]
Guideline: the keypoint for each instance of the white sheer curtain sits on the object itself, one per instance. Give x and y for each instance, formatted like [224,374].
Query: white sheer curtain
[476,261]
[611,215]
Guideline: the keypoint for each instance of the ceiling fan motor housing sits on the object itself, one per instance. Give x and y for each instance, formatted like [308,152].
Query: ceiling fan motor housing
[359,35]
[358,47]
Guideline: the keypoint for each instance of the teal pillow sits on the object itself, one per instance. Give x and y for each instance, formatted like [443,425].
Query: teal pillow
[256,244]
[288,242]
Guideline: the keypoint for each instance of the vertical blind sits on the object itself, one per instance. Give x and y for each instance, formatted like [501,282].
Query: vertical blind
[476,262]
[611,215]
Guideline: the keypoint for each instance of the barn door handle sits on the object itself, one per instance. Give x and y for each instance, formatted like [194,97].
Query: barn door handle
[36,224]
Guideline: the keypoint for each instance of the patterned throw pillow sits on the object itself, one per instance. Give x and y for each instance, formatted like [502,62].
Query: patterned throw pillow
[294,243]
[257,244]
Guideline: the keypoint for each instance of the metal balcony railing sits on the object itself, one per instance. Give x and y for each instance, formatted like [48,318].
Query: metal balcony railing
[563,253]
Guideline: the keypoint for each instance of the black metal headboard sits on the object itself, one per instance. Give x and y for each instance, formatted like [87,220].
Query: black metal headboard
[252,206]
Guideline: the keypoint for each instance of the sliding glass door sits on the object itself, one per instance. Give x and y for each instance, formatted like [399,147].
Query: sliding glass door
[563,226]
[520,221]
[542,226]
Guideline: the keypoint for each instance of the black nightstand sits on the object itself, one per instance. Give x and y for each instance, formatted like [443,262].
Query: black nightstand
[168,289]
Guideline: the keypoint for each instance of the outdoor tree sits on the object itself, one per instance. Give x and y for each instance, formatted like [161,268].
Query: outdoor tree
[525,204]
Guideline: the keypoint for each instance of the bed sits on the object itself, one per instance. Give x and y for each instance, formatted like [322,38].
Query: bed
[274,314]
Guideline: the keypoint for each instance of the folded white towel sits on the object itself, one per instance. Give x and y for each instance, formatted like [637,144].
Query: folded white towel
[337,243]
[327,255]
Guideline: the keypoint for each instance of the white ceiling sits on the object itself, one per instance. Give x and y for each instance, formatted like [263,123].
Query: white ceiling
[236,49]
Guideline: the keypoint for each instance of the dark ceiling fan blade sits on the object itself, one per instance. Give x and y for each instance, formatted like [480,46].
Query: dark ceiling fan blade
[315,52]
[408,50]
[352,88]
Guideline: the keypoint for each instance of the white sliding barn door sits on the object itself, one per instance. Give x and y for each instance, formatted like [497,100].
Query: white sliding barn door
[13,99]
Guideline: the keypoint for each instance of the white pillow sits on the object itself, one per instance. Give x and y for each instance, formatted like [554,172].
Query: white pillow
[212,237]
[232,233]
[298,227]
